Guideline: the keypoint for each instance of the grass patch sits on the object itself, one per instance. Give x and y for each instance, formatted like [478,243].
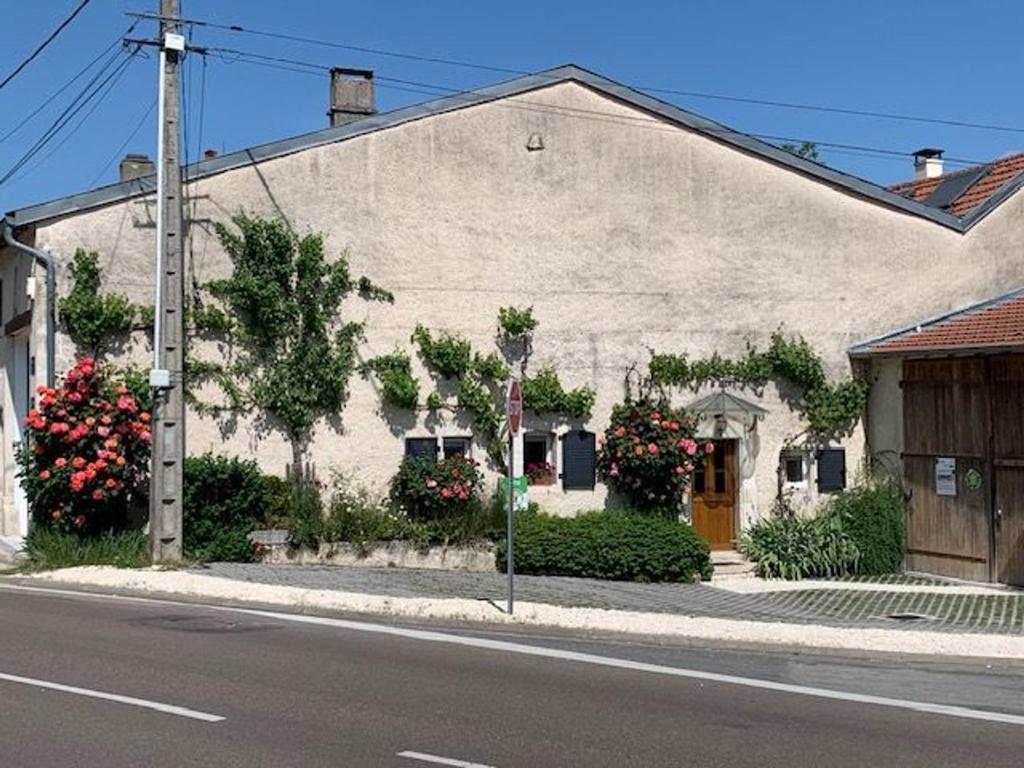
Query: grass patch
[49,550]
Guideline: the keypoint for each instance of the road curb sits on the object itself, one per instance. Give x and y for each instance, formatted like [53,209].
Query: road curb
[663,627]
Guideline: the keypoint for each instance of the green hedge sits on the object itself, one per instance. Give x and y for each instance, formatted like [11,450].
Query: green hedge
[620,545]
[872,516]
[858,531]
[225,500]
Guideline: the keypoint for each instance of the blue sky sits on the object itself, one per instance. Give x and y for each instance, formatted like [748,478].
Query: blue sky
[936,59]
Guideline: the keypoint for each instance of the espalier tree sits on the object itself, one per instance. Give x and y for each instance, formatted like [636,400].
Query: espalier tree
[92,319]
[292,352]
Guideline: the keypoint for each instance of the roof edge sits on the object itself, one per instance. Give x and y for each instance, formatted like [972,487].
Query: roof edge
[570,72]
[863,348]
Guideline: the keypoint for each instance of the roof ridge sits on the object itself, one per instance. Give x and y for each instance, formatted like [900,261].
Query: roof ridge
[714,131]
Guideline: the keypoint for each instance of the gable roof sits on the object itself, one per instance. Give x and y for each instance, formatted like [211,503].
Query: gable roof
[991,178]
[994,324]
[518,86]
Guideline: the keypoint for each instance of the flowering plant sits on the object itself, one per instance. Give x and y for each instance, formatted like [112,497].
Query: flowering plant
[540,473]
[86,451]
[648,453]
[431,490]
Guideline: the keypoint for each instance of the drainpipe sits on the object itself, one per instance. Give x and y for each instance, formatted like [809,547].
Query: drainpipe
[51,296]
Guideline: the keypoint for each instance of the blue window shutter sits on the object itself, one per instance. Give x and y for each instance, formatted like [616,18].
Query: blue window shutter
[831,470]
[579,459]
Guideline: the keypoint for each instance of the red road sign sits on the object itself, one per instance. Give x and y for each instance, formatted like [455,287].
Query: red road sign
[514,407]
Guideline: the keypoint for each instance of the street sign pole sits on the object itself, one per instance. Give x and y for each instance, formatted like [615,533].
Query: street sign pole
[514,414]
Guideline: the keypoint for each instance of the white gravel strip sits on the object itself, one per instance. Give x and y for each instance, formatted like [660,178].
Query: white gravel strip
[538,614]
[759,586]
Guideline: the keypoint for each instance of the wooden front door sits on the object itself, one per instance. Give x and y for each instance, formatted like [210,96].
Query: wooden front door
[714,496]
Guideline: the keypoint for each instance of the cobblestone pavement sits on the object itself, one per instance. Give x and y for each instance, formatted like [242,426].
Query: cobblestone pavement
[989,613]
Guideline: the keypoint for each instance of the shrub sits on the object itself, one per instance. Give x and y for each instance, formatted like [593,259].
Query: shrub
[621,545]
[872,516]
[306,524]
[355,516]
[649,454]
[429,490]
[790,547]
[85,461]
[225,500]
[279,502]
[48,548]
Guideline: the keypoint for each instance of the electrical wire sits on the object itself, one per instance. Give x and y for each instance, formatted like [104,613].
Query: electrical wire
[42,46]
[68,84]
[85,97]
[120,149]
[875,114]
[642,120]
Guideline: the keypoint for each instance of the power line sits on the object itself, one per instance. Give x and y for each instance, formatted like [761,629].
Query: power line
[68,84]
[52,36]
[433,89]
[650,89]
[117,153]
[83,99]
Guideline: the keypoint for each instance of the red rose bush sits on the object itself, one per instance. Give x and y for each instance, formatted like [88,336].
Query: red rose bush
[648,454]
[85,454]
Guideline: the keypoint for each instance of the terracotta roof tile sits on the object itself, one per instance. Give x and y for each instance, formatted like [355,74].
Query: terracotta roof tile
[998,323]
[999,173]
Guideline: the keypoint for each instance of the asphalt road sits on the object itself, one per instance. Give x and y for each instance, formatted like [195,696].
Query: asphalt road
[301,694]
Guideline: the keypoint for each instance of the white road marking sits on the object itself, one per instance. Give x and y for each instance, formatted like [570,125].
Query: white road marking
[946,710]
[438,760]
[167,709]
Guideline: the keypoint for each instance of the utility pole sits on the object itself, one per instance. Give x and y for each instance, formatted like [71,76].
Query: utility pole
[167,376]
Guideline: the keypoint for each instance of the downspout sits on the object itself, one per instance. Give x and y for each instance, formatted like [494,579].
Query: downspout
[51,296]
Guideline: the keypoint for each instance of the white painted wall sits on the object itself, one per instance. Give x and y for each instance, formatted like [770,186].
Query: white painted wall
[624,233]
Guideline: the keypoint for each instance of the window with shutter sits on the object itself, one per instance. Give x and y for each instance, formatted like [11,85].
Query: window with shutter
[421,447]
[831,470]
[579,459]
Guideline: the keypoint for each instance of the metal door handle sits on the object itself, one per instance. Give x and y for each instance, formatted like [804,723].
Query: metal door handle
[999,518]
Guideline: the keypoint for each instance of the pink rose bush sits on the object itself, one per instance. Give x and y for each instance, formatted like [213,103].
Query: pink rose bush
[434,490]
[85,454]
[648,453]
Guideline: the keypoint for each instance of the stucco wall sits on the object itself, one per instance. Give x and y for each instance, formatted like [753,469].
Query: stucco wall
[623,233]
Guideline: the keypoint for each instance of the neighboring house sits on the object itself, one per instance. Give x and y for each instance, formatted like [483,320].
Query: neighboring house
[949,401]
[627,223]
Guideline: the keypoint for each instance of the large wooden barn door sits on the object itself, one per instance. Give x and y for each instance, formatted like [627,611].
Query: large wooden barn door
[1007,377]
[946,427]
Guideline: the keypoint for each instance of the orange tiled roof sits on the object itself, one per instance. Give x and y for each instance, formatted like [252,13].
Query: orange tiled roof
[999,173]
[998,323]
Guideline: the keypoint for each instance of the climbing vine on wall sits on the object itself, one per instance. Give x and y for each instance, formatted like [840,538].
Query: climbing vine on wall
[92,319]
[478,377]
[830,409]
[398,387]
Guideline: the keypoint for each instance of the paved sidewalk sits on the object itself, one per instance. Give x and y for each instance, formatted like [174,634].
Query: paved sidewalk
[873,607]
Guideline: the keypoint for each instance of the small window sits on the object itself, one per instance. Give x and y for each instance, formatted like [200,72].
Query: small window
[794,469]
[538,461]
[421,447]
[456,446]
[831,470]
[579,459]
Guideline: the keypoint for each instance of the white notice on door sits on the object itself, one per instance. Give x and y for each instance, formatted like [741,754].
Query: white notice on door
[945,476]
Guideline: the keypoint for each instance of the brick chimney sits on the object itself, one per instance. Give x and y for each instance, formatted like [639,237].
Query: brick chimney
[927,163]
[134,166]
[351,95]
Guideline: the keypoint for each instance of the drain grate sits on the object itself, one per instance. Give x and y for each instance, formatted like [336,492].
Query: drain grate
[907,616]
